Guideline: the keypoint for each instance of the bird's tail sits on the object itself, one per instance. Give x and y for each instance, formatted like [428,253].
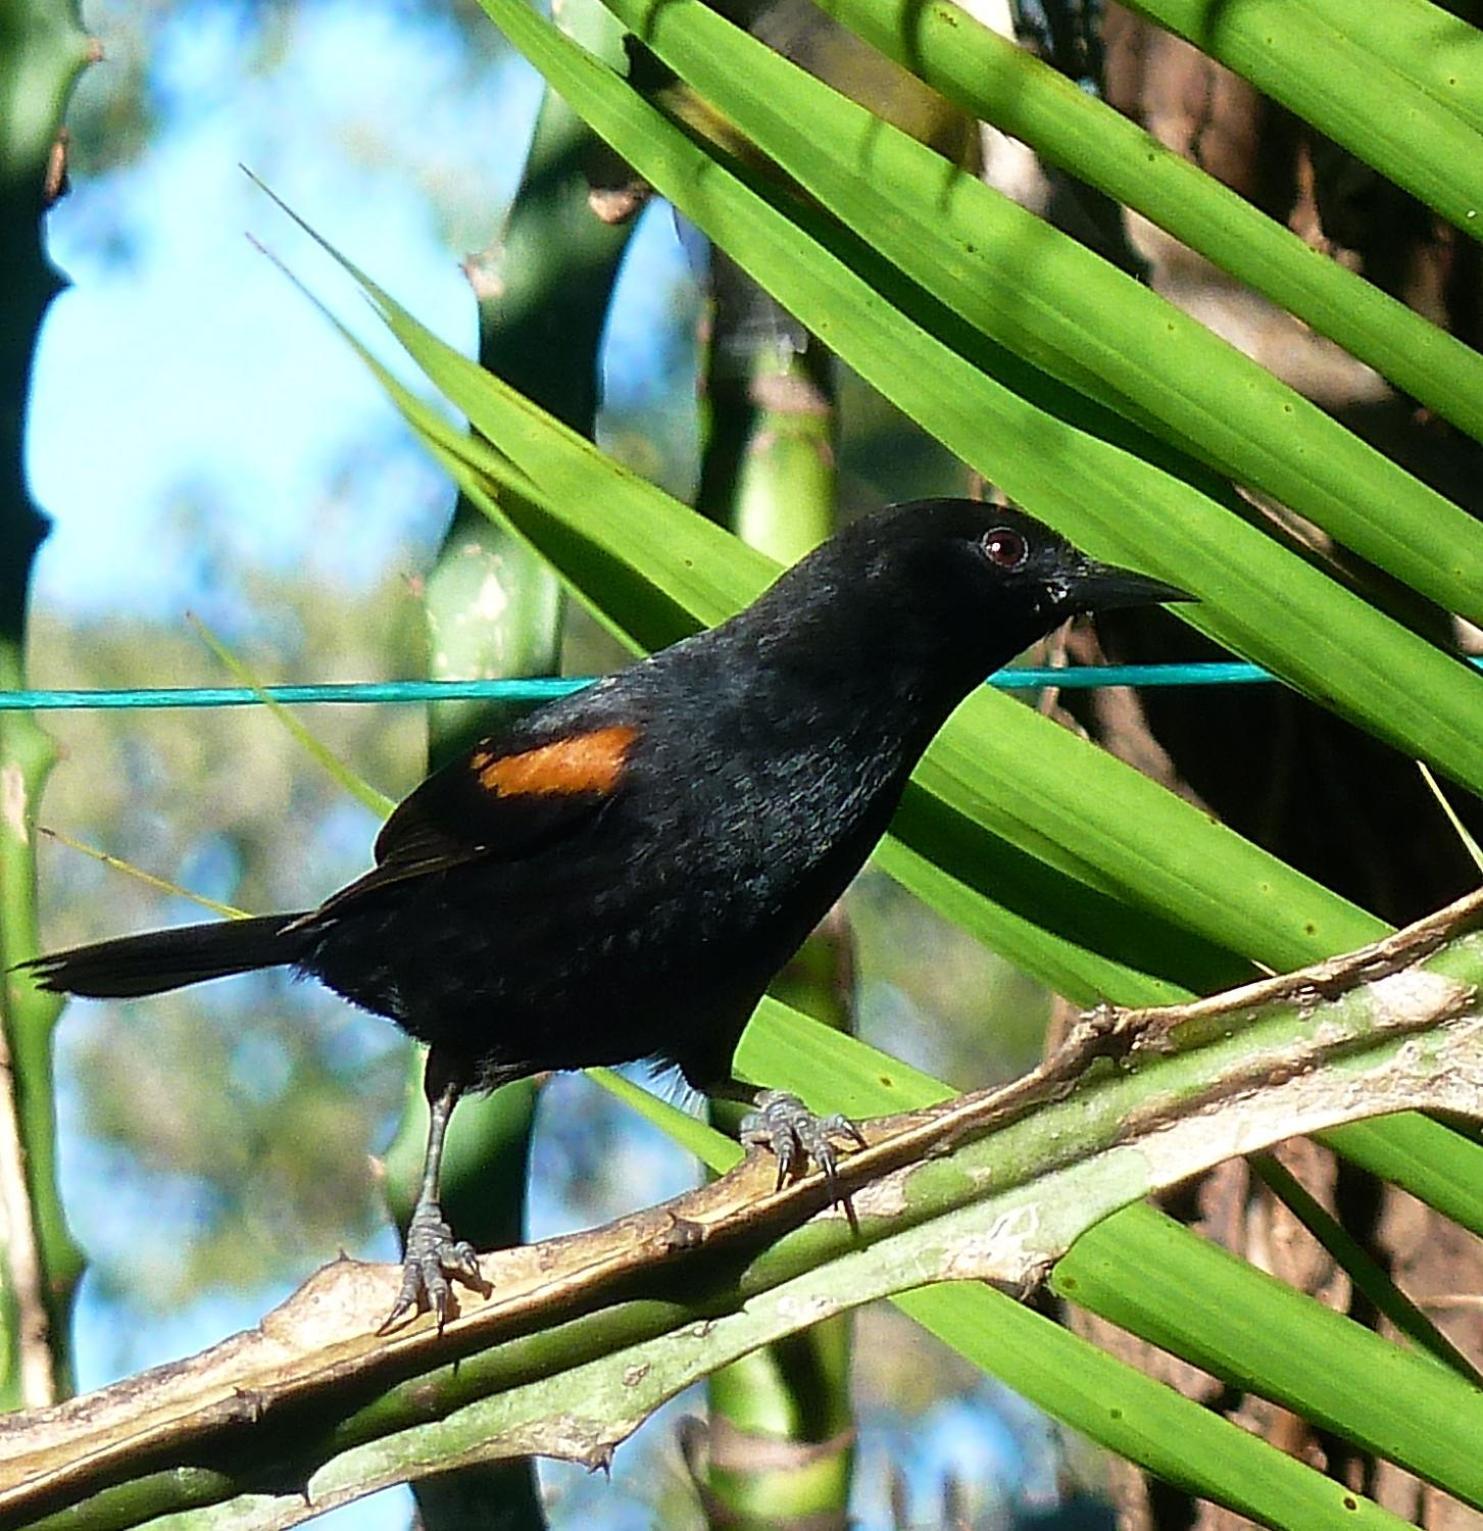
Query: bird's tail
[160,960]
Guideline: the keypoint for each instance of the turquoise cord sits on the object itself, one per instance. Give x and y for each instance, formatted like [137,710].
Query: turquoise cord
[1075,677]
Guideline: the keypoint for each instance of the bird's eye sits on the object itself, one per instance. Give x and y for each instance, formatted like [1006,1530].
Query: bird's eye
[1006,547]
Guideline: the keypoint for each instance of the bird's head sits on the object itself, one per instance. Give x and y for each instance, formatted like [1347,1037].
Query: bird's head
[978,581]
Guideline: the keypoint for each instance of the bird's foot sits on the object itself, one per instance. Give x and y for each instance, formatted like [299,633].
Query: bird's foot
[794,1135]
[433,1257]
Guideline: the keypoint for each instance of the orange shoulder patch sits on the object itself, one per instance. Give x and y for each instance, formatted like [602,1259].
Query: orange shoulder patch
[582,763]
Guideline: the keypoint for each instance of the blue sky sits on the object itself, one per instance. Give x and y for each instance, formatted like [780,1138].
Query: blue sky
[183,366]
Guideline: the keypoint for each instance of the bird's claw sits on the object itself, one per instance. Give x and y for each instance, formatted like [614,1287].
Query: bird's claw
[433,1256]
[795,1136]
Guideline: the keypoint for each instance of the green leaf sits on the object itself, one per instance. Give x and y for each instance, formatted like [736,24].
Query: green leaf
[1255,1333]
[714,1149]
[1426,44]
[990,77]
[1435,1164]
[1135,1416]
[1362,1268]
[1258,599]
[1469,844]
[129,869]
[1314,62]
[1050,300]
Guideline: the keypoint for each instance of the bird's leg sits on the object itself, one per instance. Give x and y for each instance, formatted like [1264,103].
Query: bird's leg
[794,1135]
[432,1254]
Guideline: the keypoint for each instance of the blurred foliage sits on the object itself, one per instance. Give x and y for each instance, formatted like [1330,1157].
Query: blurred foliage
[251,1109]
[118,113]
[933,996]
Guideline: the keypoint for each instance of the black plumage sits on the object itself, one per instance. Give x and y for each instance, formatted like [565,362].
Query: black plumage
[619,875]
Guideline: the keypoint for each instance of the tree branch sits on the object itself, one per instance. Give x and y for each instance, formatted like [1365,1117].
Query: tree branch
[584,1335]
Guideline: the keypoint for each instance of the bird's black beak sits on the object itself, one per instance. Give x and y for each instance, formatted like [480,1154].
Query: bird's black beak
[1104,587]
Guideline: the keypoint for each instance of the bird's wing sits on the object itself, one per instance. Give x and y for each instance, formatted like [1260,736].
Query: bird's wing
[500,801]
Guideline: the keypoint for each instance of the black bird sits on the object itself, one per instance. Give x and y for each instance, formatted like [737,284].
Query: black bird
[620,874]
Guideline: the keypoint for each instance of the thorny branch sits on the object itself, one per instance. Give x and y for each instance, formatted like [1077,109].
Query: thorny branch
[315,1375]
